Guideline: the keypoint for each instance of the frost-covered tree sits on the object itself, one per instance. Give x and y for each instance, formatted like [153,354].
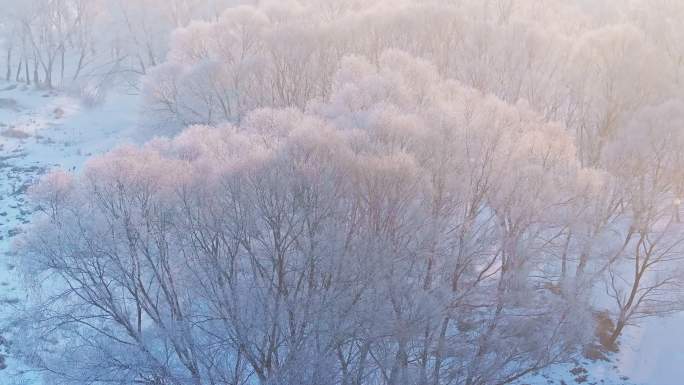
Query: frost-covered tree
[393,234]
[647,161]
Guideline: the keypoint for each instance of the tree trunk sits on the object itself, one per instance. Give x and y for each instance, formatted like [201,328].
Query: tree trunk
[9,64]
[61,66]
[16,78]
[79,66]
[28,75]
[619,327]
[36,78]
[441,345]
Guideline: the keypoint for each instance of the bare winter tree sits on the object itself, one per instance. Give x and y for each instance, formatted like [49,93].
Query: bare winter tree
[648,163]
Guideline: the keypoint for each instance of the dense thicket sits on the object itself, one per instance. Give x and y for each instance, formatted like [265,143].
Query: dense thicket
[347,192]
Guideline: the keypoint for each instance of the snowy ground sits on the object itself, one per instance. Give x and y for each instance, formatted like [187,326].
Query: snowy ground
[40,131]
[652,354]
[582,372]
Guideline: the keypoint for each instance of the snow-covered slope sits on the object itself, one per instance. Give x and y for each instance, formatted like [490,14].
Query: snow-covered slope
[41,130]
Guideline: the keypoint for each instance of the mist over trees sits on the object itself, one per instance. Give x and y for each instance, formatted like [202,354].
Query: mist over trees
[81,44]
[352,192]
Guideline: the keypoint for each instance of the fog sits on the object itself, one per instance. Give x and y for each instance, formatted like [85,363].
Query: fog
[322,192]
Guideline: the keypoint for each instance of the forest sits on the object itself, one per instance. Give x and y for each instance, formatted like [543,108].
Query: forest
[350,192]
